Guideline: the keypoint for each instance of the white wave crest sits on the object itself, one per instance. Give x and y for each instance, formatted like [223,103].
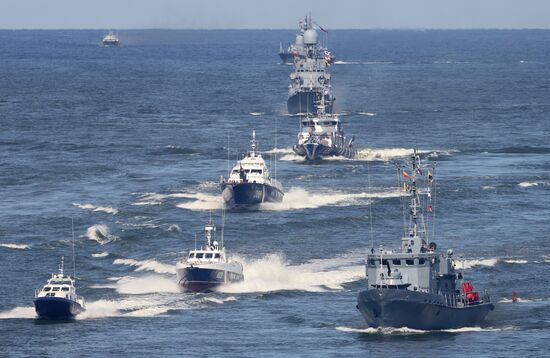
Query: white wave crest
[468,264]
[220,301]
[174,228]
[15,246]
[157,199]
[100,233]
[370,114]
[528,184]
[279,151]
[272,273]
[100,254]
[147,265]
[145,306]
[518,300]
[18,312]
[347,63]
[105,209]
[256,113]
[299,198]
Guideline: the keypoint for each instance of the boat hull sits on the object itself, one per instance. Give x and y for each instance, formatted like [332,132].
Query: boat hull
[416,310]
[304,102]
[286,57]
[110,43]
[250,194]
[199,279]
[56,308]
[316,151]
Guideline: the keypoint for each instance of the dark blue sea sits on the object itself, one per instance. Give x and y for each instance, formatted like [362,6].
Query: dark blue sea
[130,142]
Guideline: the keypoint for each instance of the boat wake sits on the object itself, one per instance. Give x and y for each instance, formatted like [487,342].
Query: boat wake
[272,273]
[299,198]
[147,265]
[100,233]
[370,154]
[104,209]
[15,246]
[527,184]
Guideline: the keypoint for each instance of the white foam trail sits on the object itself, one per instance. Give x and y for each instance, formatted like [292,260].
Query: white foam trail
[519,300]
[272,273]
[468,264]
[512,261]
[100,233]
[383,154]
[487,187]
[147,284]
[15,246]
[157,199]
[347,63]
[528,184]
[18,312]
[299,198]
[256,113]
[100,254]
[147,265]
[202,201]
[105,209]
[133,307]
[370,114]
[279,151]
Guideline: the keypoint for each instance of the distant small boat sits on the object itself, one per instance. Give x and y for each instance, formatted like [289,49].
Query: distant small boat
[111,39]
[58,298]
[208,267]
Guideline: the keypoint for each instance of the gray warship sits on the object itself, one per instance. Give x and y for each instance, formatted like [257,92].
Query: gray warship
[310,80]
[418,287]
[321,135]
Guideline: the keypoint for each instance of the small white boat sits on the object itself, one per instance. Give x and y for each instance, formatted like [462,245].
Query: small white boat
[111,39]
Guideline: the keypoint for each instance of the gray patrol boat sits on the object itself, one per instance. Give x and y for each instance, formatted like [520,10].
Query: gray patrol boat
[310,80]
[416,286]
[322,135]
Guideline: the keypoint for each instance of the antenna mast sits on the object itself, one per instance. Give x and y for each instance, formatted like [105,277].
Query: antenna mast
[74,259]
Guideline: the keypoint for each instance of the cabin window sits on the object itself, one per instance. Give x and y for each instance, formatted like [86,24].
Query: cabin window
[384,262]
[191,256]
[55,289]
[396,262]
[373,262]
[199,255]
[208,256]
[421,261]
[47,288]
[217,256]
[409,262]
[256,171]
[64,289]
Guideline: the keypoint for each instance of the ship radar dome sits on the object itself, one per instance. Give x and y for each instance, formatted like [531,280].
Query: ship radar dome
[299,40]
[310,37]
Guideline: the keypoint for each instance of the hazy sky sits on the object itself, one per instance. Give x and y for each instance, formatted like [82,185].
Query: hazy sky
[273,14]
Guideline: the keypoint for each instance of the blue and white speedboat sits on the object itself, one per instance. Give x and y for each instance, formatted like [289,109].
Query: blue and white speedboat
[250,183]
[208,267]
[58,298]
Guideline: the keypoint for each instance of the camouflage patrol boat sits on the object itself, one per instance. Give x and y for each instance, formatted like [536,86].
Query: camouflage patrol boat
[417,286]
[322,136]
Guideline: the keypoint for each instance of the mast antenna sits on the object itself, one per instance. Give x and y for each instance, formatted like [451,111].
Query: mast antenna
[223,225]
[74,259]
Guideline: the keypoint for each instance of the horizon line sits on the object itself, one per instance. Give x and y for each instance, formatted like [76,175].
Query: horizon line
[267,29]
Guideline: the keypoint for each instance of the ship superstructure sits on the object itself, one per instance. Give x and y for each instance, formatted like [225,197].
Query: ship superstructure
[250,183]
[416,286]
[310,81]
